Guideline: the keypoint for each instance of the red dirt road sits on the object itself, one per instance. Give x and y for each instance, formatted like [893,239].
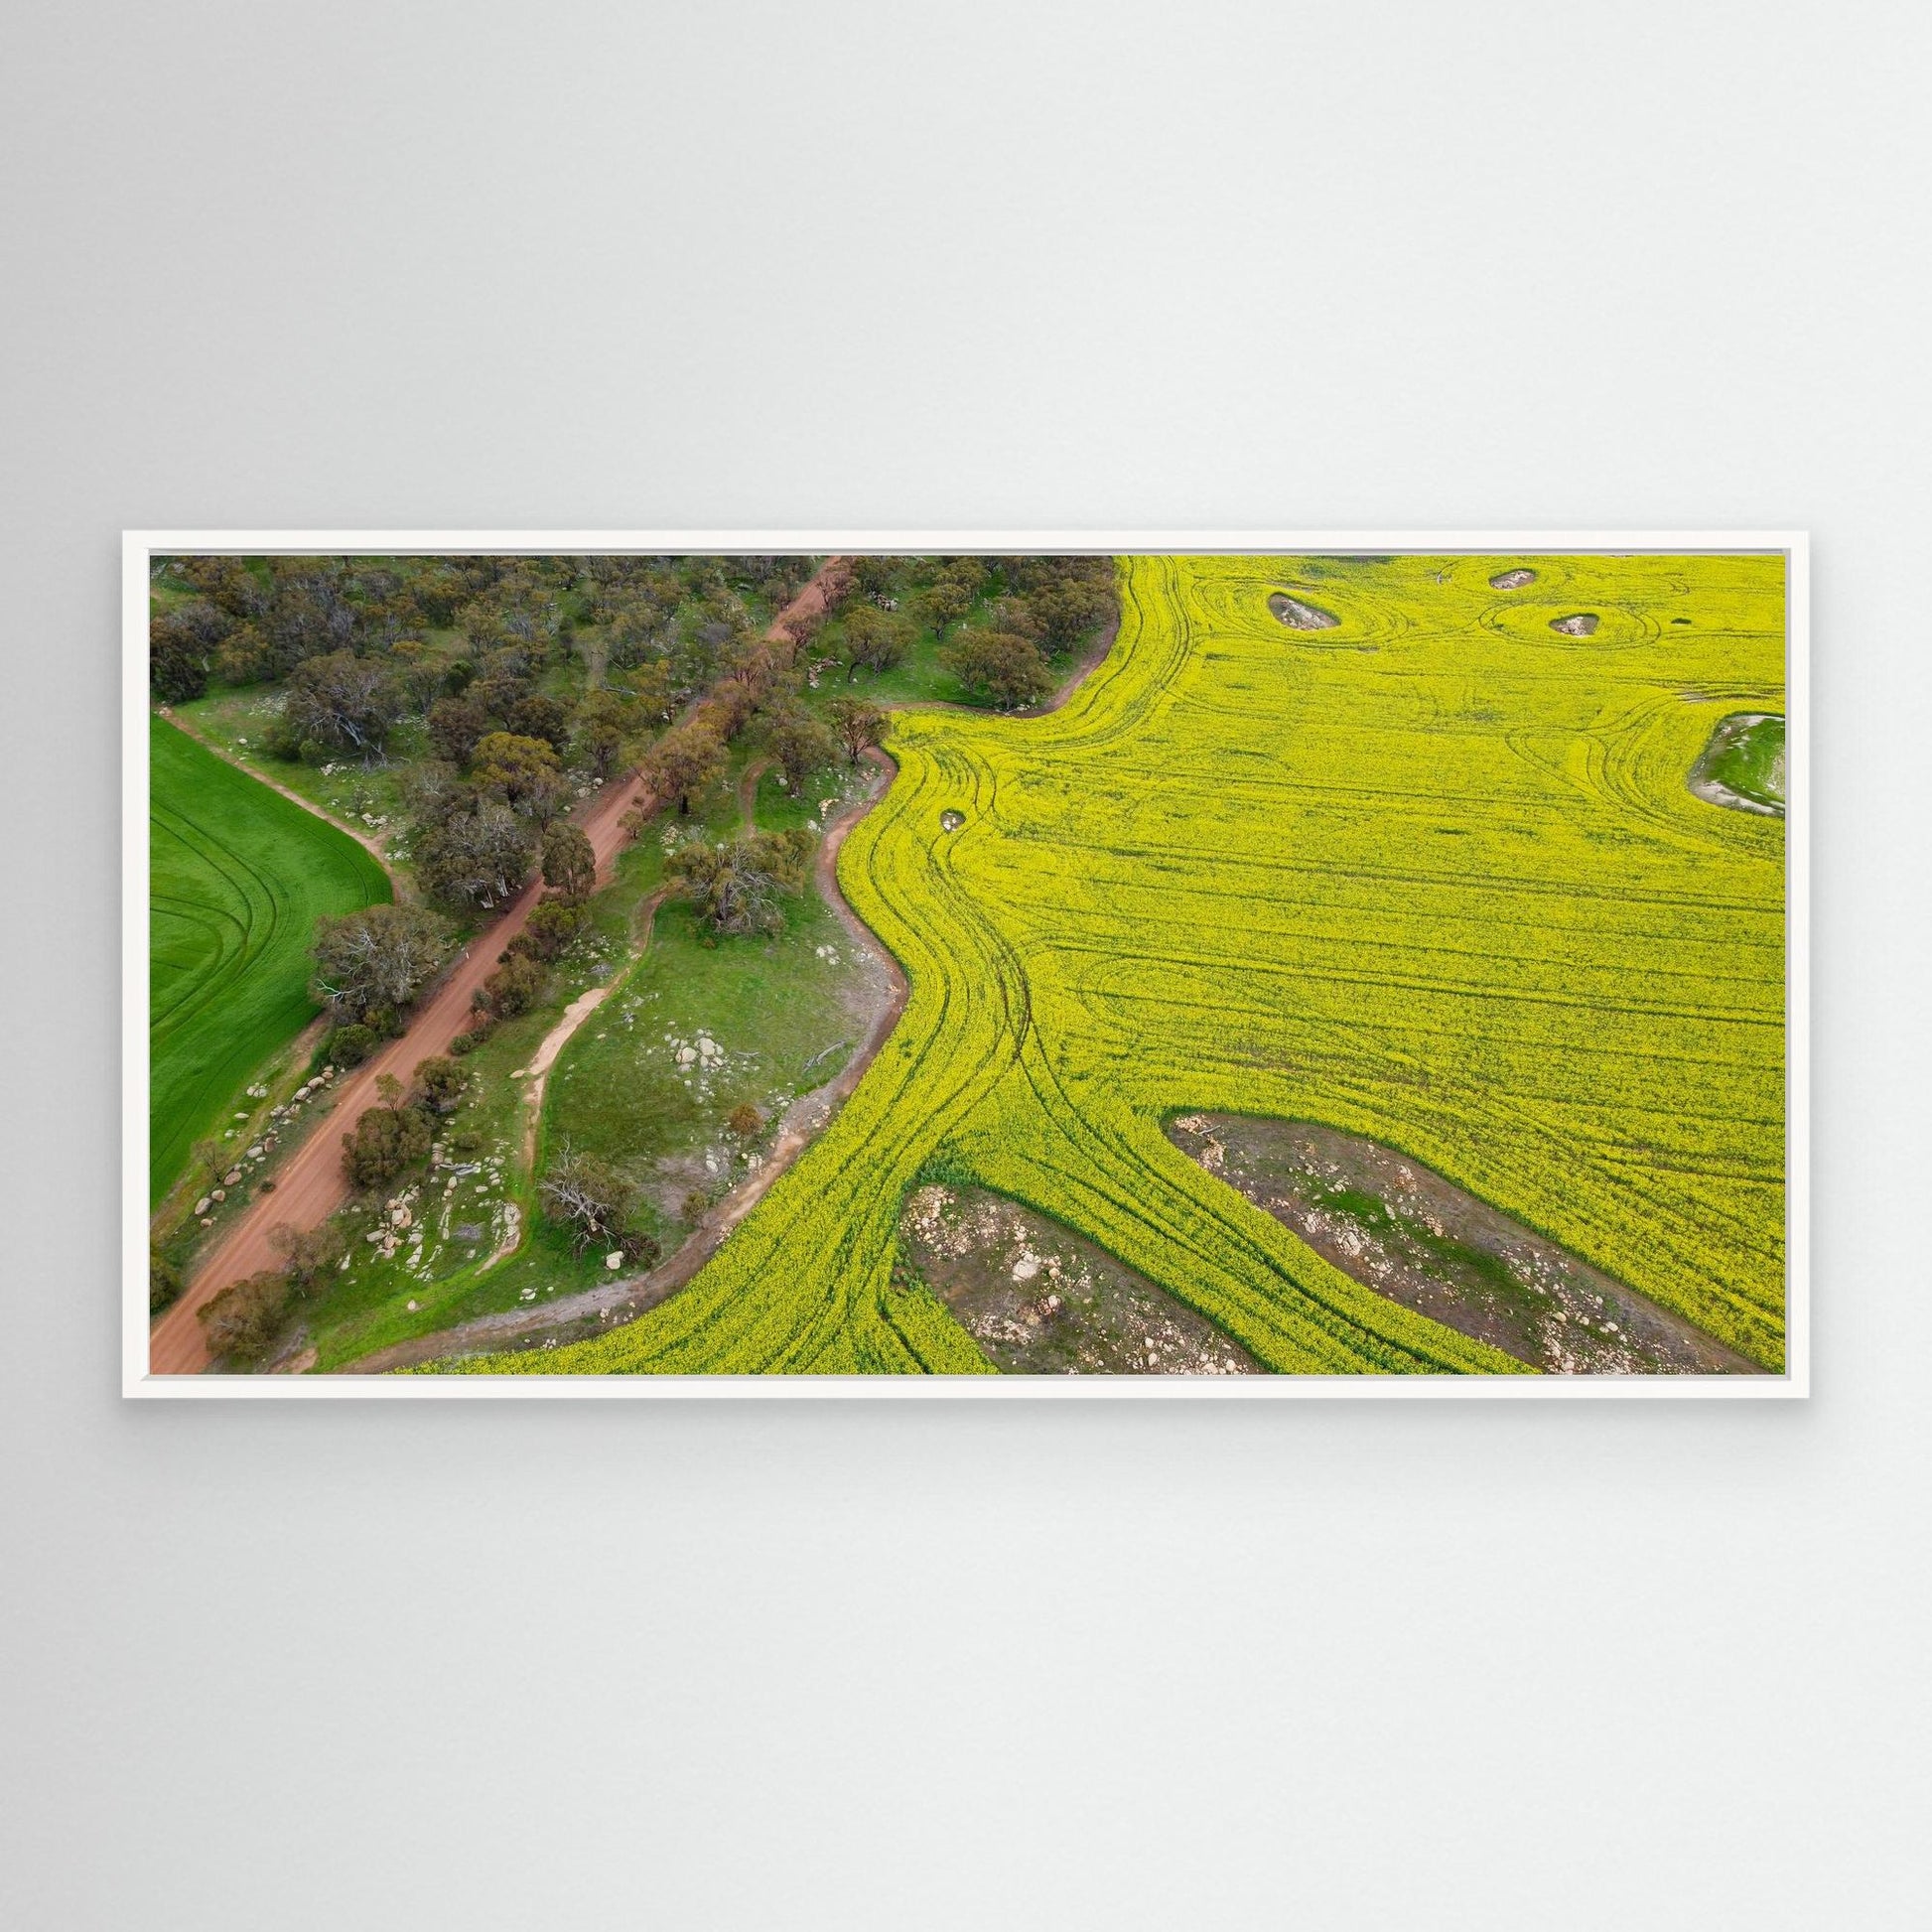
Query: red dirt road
[309,1185]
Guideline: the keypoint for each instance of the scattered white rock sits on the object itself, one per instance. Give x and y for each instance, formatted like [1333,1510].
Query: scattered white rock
[201,1206]
[614,1260]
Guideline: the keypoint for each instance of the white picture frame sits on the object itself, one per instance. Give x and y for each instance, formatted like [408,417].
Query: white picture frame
[141,546]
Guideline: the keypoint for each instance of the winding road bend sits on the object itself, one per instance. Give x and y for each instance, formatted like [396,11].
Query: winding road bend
[309,1185]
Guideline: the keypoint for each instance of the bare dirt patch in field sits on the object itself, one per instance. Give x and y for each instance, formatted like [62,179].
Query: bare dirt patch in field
[1578,623]
[1298,616]
[1038,1300]
[1512,579]
[1404,1231]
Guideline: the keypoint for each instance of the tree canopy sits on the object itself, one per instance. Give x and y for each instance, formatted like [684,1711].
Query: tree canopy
[1000,664]
[380,957]
[735,883]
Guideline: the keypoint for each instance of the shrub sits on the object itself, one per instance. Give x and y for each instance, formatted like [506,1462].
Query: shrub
[553,924]
[241,1321]
[308,1252]
[514,987]
[384,1142]
[483,1026]
[579,1192]
[443,1083]
[745,1121]
[350,1046]
[568,862]
[164,1281]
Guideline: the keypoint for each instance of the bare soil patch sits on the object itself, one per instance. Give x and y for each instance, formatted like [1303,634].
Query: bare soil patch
[1404,1231]
[1039,1300]
[1578,623]
[1298,616]
[1512,579]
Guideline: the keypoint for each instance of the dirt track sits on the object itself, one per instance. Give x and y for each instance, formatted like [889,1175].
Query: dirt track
[309,1185]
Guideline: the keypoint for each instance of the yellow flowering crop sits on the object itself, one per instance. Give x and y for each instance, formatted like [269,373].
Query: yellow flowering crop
[1431,874]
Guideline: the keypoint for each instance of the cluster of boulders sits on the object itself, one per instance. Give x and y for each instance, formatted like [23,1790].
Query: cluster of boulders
[306,1092]
[452,1170]
[257,1151]
[256,1154]
[397,1225]
[703,1052]
[418,1218]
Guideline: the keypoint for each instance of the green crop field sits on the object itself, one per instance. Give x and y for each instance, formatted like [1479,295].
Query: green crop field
[238,876]
[1430,874]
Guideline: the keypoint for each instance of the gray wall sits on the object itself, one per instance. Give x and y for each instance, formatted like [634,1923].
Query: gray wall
[885,1666]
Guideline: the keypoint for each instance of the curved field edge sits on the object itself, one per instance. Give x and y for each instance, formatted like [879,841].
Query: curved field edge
[238,876]
[1577,1016]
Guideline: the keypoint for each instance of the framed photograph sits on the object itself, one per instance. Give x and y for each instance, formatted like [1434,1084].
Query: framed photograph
[972,964]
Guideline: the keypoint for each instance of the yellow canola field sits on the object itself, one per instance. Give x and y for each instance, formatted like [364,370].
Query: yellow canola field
[1431,875]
